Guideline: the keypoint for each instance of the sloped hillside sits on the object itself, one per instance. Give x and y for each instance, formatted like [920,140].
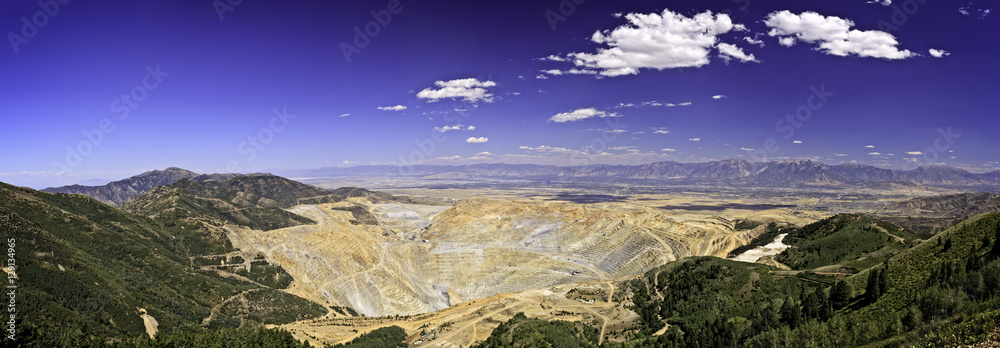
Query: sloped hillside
[86,270]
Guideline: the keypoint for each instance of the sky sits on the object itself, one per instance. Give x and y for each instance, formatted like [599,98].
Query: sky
[95,91]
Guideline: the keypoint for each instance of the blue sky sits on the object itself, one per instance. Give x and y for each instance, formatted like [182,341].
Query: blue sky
[110,89]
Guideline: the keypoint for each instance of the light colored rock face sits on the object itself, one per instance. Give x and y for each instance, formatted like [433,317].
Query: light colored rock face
[770,249]
[424,258]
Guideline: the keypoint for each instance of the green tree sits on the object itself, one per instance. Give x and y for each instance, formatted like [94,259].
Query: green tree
[840,294]
[873,290]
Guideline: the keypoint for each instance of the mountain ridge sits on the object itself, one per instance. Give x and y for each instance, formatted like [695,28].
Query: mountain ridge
[809,172]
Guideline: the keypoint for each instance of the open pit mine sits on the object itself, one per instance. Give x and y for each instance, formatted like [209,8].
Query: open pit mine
[406,259]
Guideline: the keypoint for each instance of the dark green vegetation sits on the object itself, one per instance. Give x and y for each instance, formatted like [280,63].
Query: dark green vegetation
[854,241]
[520,331]
[386,337]
[269,306]
[85,269]
[941,292]
[361,215]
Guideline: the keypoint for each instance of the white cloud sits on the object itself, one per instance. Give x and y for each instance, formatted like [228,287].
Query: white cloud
[914,153]
[694,139]
[474,140]
[869,146]
[684,104]
[718,96]
[938,53]
[874,154]
[345,115]
[471,128]
[659,41]
[580,114]
[542,77]
[754,41]
[469,89]
[910,159]
[796,141]
[965,10]
[484,153]
[786,41]
[746,149]
[553,72]
[882,2]
[660,131]
[840,154]
[448,128]
[668,150]
[391,108]
[729,51]
[834,35]
[554,58]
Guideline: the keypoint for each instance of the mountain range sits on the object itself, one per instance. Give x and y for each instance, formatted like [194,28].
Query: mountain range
[734,171]
[117,192]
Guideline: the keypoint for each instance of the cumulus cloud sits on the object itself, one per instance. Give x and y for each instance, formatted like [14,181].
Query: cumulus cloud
[796,141]
[746,149]
[938,53]
[869,146]
[914,153]
[729,52]
[474,140]
[754,41]
[874,154]
[580,114]
[694,139]
[659,41]
[684,104]
[391,108]
[660,130]
[471,128]
[668,150]
[833,35]
[718,96]
[469,89]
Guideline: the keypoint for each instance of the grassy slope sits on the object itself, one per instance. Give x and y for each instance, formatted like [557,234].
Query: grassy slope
[113,263]
[855,241]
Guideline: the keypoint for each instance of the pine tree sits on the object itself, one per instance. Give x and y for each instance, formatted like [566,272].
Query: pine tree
[840,294]
[873,289]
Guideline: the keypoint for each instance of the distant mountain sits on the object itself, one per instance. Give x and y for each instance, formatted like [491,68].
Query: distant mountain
[117,192]
[733,171]
[255,200]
